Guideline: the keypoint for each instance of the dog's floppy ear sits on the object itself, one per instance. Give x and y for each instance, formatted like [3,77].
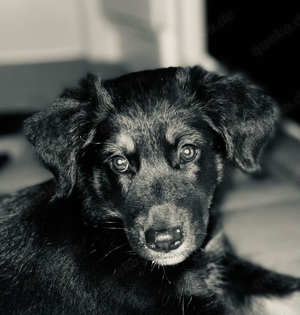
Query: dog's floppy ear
[59,133]
[240,113]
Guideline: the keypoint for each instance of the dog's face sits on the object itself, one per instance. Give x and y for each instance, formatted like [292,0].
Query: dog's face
[158,172]
[149,148]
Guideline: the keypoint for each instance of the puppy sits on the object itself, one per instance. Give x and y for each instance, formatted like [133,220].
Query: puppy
[127,226]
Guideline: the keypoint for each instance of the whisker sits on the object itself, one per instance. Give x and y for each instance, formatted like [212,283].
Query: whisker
[92,142]
[166,274]
[110,222]
[112,228]
[88,148]
[128,260]
[153,265]
[190,300]
[112,251]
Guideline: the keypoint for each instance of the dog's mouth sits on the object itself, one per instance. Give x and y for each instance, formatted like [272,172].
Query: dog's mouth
[173,260]
[169,258]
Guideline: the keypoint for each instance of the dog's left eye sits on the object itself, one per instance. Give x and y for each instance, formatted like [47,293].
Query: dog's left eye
[120,164]
[187,154]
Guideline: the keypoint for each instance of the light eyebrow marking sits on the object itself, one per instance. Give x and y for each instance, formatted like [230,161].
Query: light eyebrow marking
[185,134]
[126,142]
[122,144]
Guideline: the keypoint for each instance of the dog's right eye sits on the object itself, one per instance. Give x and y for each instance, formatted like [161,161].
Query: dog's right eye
[187,153]
[120,164]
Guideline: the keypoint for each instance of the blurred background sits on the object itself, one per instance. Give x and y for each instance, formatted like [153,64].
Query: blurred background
[46,46]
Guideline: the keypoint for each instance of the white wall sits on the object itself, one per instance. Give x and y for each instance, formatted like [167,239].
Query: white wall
[34,30]
[138,33]
[43,31]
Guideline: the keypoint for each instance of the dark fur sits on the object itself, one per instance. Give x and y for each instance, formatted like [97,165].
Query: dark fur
[76,244]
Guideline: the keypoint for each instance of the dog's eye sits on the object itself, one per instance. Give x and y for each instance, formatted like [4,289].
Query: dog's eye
[120,164]
[187,153]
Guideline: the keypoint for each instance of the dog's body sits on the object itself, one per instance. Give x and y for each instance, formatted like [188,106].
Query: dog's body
[126,226]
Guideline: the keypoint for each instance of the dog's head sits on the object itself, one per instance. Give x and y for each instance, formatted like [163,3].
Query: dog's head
[148,148]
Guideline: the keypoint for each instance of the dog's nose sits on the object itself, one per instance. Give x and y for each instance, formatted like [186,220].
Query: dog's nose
[164,240]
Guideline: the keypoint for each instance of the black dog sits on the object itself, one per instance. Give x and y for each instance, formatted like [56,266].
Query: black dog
[127,226]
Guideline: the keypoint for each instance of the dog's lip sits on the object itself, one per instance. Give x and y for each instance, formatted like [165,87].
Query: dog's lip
[173,260]
[170,258]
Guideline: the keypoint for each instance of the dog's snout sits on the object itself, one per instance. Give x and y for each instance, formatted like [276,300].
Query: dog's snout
[164,240]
